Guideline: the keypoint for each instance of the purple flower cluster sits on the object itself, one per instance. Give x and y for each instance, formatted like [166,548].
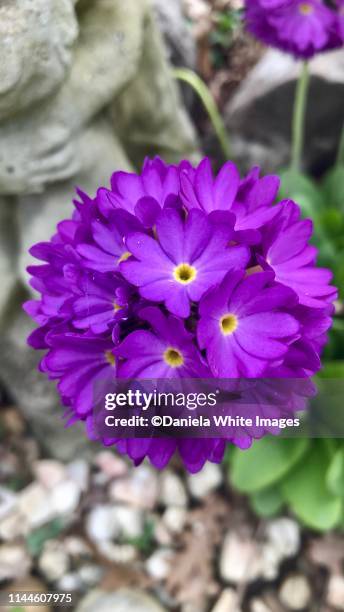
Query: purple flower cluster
[300,27]
[177,274]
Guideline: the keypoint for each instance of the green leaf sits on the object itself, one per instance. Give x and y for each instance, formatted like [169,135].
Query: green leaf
[332,221]
[303,190]
[266,462]
[333,188]
[306,491]
[335,474]
[267,502]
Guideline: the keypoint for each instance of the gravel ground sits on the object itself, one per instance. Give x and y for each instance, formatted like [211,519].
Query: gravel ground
[124,538]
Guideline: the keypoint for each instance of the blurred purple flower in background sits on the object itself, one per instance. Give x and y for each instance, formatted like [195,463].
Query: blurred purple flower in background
[300,27]
[177,274]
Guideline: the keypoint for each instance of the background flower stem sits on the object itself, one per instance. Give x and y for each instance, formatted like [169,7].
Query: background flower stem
[199,86]
[340,153]
[298,120]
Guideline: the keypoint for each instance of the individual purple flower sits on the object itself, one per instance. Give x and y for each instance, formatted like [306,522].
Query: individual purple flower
[107,249]
[249,201]
[79,362]
[187,259]
[288,253]
[103,302]
[142,195]
[300,27]
[243,325]
[165,351]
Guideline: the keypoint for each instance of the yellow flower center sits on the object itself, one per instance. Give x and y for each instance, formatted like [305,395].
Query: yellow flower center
[173,357]
[124,256]
[228,324]
[117,307]
[110,358]
[305,8]
[184,273]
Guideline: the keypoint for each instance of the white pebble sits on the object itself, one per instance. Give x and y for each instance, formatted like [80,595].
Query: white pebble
[173,492]
[159,563]
[295,592]
[205,481]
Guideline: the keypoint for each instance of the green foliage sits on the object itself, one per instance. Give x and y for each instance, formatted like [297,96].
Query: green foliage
[306,491]
[36,540]
[265,463]
[226,23]
[305,475]
[267,502]
[144,542]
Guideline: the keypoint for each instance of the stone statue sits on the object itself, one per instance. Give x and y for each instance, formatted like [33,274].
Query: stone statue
[84,89]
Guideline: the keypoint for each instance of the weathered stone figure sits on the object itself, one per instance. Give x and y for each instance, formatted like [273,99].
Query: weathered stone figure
[84,90]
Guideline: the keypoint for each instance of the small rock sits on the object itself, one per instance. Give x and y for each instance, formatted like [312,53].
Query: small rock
[129,521]
[90,574]
[335,591]
[284,535]
[162,534]
[295,592]
[282,540]
[101,524]
[240,559]
[65,497]
[124,600]
[111,465]
[118,553]
[174,518]
[173,492]
[78,472]
[8,500]
[159,563]
[34,503]
[77,547]
[70,582]
[208,479]
[15,562]
[13,526]
[258,605]
[139,489]
[227,602]
[54,561]
[49,472]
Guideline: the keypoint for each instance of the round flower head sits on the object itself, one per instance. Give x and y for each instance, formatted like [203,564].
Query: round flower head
[300,27]
[177,274]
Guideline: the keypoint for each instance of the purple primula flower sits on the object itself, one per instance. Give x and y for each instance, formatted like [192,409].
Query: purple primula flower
[78,362]
[244,326]
[288,254]
[300,27]
[145,195]
[187,259]
[103,302]
[177,273]
[107,249]
[340,22]
[167,351]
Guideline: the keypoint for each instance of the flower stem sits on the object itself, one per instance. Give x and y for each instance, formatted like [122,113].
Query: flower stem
[340,153]
[199,86]
[298,121]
